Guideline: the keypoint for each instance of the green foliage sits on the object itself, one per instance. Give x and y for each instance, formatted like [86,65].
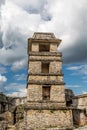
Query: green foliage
[64,111]
[39,110]
[52,111]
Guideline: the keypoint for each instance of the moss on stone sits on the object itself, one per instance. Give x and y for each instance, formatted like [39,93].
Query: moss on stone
[64,111]
[52,111]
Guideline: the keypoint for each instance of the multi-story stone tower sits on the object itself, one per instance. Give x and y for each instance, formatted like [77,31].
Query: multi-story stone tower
[45,87]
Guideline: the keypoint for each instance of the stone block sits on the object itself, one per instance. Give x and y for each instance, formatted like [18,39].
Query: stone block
[35,67]
[34,92]
[55,67]
[35,47]
[57,93]
[53,47]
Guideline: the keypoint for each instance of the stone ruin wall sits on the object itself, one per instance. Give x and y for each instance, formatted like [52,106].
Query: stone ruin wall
[80,109]
[48,119]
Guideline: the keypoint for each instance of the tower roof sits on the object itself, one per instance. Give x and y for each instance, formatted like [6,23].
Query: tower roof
[44,38]
[38,35]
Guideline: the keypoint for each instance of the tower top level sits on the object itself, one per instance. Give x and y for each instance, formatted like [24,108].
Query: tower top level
[43,42]
[50,37]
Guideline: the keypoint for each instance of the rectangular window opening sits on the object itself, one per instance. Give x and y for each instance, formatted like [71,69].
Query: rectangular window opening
[44,48]
[45,67]
[46,92]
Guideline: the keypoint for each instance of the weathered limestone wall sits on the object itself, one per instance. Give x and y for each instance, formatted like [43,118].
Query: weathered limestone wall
[53,47]
[35,67]
[0,108]
[45,78]
[45,119]
[3,125]
[80,102]
[45,58]
[57,93]
[7,116]
[35,47]
[55,67]
[80,109]
[79,117]
[35,93]
[83,120]
[19,113]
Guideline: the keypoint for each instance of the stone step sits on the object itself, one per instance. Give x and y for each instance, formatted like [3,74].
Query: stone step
[81,128]
[11,127]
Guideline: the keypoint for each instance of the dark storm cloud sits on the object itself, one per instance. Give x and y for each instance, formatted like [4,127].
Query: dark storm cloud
[16,27]
[34,10]
[46,16]
[2,2]
[41,10]
[14,38]
[77,52]
[14,43]
[1,43]
[36,7]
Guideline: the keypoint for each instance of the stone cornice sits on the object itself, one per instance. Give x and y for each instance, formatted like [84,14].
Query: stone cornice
[54,106]
[45,60]
[45,82]
[45,54]
[54,41]
[80,96]
[46,74]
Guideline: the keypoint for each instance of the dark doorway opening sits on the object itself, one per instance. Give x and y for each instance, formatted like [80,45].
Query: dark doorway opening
[46,92]
[44,48]
[45,67]
[14,114]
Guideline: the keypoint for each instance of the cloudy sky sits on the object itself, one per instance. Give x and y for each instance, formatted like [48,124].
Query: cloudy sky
[19,19]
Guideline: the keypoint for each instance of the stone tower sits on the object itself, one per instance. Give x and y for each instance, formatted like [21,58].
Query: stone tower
[45,86]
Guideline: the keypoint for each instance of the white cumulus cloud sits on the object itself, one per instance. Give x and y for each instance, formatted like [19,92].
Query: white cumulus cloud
[3,78]
[19,19]
[20,93]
